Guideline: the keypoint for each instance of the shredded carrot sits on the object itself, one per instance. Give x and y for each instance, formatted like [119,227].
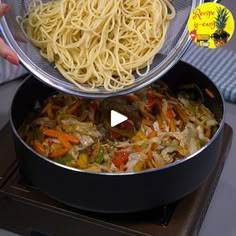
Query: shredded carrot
[160,121]
[64,142]
[170,113]
[181,113]
[55,134]
[172,125]
[154,146]
[159,164]
[149,164]
[58,153]
[161,116]
[122,167]
[147,122]
[209,93]
[137,148]
[153,163]
[38,147]
[48,109]
[152,134]
[149,154]
[49,112]
[74,107]
[44,110]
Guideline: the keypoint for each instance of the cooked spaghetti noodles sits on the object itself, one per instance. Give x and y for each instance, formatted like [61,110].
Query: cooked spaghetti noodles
[98,42]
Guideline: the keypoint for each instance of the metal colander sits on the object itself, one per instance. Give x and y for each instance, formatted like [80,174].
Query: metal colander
[177,41]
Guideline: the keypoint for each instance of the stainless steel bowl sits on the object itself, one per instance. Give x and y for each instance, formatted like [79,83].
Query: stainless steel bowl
[177,41]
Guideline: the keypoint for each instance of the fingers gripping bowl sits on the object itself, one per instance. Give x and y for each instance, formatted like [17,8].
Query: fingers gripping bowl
[119,192]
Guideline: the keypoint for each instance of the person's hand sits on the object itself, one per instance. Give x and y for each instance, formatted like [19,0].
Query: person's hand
[5,51]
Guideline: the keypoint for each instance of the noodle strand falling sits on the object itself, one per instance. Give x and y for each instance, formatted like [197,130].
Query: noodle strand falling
[98,42]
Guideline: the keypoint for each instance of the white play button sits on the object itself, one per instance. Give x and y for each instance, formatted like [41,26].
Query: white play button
[117,118]
[121,119]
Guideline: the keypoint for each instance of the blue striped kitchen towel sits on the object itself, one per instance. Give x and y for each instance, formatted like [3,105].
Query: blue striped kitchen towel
[218,64]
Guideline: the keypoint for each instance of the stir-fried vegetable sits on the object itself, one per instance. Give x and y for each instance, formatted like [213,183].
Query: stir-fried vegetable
[100,157]
[120,158]
[163,126]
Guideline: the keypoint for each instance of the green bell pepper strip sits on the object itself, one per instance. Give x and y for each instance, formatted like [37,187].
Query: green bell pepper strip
[65,159]
[100,157]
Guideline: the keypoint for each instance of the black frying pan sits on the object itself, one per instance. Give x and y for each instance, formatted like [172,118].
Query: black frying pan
[118,192]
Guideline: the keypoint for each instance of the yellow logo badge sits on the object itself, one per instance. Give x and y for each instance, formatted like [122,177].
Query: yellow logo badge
[211,25]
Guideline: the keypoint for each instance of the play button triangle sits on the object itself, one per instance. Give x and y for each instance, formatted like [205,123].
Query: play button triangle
[117,118]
